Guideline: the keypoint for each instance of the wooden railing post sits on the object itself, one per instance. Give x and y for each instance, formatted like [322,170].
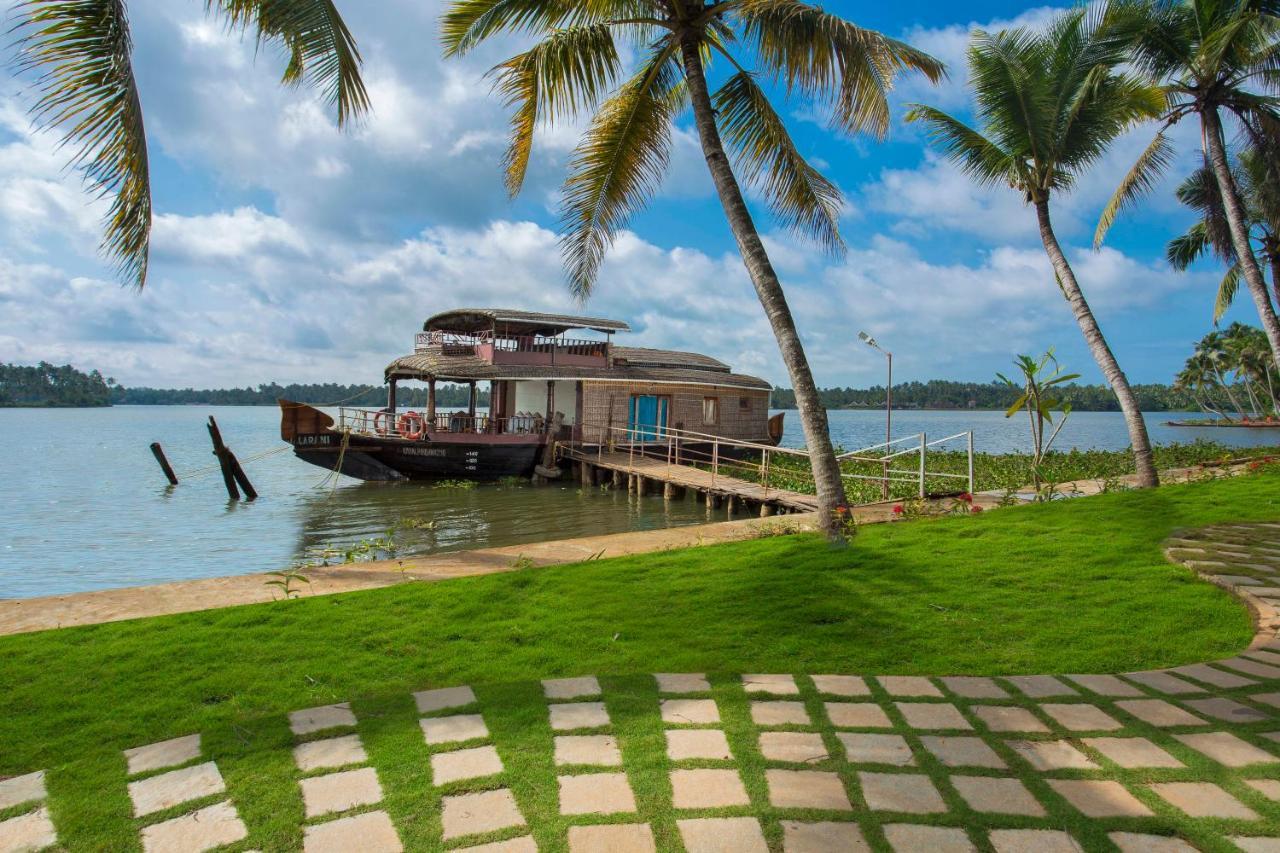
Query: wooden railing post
[715,460]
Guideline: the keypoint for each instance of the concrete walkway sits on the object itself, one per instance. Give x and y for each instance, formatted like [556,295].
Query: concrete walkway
[1166,761]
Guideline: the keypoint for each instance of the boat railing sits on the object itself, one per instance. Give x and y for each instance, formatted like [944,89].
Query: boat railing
[487,344]
[381,423]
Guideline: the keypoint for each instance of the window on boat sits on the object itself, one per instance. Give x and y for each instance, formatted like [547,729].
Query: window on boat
[744,403]
[710,411]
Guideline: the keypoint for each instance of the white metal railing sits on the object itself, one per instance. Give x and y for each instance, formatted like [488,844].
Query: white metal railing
[463,341]
[688,447]
[379,422]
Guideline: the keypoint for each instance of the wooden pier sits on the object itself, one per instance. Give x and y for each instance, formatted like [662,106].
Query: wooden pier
[643,474]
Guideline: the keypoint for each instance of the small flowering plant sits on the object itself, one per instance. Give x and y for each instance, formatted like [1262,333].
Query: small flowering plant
[845,522]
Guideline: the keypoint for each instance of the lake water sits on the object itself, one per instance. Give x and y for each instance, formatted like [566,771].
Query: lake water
[84,506]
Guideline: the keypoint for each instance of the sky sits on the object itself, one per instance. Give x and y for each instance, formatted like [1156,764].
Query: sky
[285,249]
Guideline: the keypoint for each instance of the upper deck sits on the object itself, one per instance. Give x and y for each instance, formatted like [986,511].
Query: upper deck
[506,337]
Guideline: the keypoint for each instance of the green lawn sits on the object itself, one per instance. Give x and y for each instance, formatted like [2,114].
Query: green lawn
[1075,586]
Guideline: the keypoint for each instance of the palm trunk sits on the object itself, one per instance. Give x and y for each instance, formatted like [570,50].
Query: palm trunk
[1275,274]
[1231,398]
[1216,150]
[1143,461]
[813,417]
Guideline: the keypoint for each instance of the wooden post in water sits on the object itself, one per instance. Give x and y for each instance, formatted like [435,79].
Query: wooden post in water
[232,473]
[158,451]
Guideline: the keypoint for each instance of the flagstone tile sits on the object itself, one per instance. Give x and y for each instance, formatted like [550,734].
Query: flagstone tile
[1132,752]
[862,748]
[1226,748]
[1263,654]
[1003,718]
[932,715]
[962,751]
[1237,580]
[1081,718]
[470,814]
[598,750]
[340,792]
[1272,699]
[1216,677]
[443,699]
[212,826]
[807,789]
[912,838]
[857,715]
[901,792]
[841,685]
[692,711]
[1106,685]
[1256,844]
[26,788]
[707,789]
[371,832]
[310,720]
[1163,682]
[1097,798]
[28,832]
[596,793]
[822,837]
[973,687]
[1041,686]
[1252,667]
[329,753]
[682,682]
[796,747]
[455,729]
[474,763]
[779,714]
[997,795]
[778,685]
[1158,712]
[1202,799]
[157,756]
[578,715]
[722,835]
[157,793]
[611,838]
[571,688]
[1047,755]
[1135,842]
[1226,709]
[908,685]
[1033,841]
[1269,788]
[685,744]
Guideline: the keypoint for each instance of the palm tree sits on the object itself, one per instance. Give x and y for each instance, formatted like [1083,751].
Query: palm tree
[1212,232]
[1050,103]
[1213,352]
[80,53]
[574,69]
[1211,57]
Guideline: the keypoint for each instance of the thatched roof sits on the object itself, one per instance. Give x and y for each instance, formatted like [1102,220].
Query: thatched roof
[645,357]
[467,368]
[513,322]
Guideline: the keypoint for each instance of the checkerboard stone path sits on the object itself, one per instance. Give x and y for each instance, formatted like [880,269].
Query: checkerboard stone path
[1172,760]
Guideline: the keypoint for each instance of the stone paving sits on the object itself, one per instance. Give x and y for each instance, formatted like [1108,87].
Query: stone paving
[1174,760]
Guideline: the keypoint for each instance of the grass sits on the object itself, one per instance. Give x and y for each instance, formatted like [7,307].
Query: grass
[1071,586]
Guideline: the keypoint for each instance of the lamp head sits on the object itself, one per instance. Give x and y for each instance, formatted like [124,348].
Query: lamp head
[866,339]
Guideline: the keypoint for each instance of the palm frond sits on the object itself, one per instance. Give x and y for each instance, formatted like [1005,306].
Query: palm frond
[467,23]
[978,157]
[1140,180]
[618,165]
[825,57]
[81,51]
[1226,292]
[799,195]
[1185,249]
[322,50]
[567,72]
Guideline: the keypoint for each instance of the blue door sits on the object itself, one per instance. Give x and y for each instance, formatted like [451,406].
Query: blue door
[647,420]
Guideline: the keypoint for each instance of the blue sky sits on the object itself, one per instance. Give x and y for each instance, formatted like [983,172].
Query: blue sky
[286,250]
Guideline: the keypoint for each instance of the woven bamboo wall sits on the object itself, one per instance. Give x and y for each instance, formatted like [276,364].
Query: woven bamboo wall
[744,413]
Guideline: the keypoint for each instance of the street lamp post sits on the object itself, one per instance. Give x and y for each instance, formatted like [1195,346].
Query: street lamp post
[888,406]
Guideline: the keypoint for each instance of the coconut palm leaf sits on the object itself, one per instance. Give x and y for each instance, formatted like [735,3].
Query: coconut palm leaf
[978,157]
[618,165]
[1140,180]
[1185,250]
[568,72]
[467,23]
[1226,292]
[801,198]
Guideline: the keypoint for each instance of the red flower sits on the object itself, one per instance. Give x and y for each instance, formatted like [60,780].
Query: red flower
[967,498]
[898,509]
[977,508]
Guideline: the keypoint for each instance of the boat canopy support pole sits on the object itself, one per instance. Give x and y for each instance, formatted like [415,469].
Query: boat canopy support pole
[551,402]
[471,403]
[431,403]
[391,395]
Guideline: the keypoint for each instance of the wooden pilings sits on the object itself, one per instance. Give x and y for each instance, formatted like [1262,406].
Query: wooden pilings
[158,452]
[232,473]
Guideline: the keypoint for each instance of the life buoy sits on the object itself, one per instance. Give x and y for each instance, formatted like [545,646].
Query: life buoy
[410,426]
[380,423]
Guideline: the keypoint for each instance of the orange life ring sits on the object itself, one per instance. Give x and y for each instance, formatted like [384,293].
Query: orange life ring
[410,426]
[379,423]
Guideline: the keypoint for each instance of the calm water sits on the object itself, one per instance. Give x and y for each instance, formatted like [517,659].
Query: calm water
[84,505]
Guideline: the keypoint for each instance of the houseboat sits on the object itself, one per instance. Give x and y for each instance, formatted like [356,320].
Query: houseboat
[552,379]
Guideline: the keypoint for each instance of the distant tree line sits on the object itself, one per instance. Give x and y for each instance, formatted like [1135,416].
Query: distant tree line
[49,385]
[327,394]
[944,394]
